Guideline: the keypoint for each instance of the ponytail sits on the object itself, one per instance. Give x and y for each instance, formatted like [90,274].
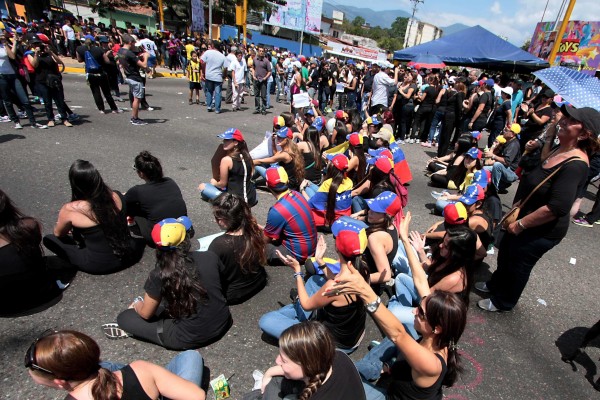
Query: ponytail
[106,386]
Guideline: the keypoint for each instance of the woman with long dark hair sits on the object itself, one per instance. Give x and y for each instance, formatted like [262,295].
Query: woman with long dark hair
[70,361]
[91,232]
[158,198]
[344,316]
[241,249]
[377,180]
[309,367]
[289,157]
[23,269]
[357,166]
[403,118]
[332,199]
[183,306]
[443,169]
[235,170]
[310,147]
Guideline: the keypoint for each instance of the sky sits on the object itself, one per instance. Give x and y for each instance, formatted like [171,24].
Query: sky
[513,19]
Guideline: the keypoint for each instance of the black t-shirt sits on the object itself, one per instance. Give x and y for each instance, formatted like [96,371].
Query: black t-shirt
[487,99]
[129,62]
[156,201]
[344,382]
[511,152]
[237,285]
[558,194]
[46,66]
[532,129]
[96,52]
[314,76]
[431,94]
[368,82]
[212,314]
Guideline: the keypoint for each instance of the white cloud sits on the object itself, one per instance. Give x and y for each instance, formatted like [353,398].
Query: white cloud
[496,8]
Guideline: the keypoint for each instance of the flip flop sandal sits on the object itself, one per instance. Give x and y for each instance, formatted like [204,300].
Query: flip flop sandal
[112,331]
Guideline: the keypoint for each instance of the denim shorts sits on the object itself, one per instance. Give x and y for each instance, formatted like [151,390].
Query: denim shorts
[137,88]
[151,61]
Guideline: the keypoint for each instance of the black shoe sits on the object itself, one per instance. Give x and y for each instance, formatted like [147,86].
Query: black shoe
[293,294]
[503,191]
[264,112]
[256,112]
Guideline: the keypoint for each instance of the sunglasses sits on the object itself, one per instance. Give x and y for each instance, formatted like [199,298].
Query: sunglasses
[30,361]
[421,312]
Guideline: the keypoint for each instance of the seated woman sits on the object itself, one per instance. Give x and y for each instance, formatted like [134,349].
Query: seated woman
[308,366]
[70,360]
[447,165]
[377,180]
[91,232]
[158,198]
[472,162]
[332,199]
[424,366]
[289,158]
[458,171]
[235,170]
[183,307]
[342,315]
[382,236]
[23,269]
[241,249]
[357,166]
[310,148]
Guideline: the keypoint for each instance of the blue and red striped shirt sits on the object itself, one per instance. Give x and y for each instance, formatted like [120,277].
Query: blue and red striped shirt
[290,220]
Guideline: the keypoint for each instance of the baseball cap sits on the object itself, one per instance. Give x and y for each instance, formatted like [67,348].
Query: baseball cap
[589,117]
[341,114]
[350,62]
[387,202]
[374,120]
[340,161]
[309,112]
[278,121]
[474,153]
[350,236]
[508,90]
[355,139]
[103,39]
[276,177]
[516,128]
[490,82]
[476,135]
[482,177]
[285,133]
[473,194]
[319,123]
[383,134]
[382,163]
[170,232]
[232,134]
[549,93]
[381,152]
[455,214]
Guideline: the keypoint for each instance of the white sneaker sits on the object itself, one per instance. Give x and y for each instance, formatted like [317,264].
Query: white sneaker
[39,126]
[487,305]
[4,118]
[18,126]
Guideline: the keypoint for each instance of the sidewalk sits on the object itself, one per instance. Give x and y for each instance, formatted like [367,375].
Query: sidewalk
[74,67]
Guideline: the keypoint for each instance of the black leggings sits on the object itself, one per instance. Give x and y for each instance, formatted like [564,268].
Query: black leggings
[440,181]
[99,86]
[161,331]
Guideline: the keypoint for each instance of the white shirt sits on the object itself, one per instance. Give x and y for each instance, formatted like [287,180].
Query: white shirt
[381,81]
[149,46]
[239,68]
[5,65]
[215,62]
[69,32]
[231,58]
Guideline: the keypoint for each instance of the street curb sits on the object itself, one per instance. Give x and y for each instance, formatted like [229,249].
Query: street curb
[77,70]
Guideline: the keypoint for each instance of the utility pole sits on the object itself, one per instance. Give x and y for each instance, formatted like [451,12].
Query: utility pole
[210,5]
[414,11]
[561,32]
[161,16]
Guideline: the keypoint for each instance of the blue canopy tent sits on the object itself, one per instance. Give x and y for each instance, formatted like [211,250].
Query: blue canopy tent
[476,47]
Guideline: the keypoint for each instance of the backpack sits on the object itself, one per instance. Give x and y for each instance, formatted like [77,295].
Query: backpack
[91,65]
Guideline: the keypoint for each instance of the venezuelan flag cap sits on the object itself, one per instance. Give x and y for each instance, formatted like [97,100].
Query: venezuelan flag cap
[355,139]
[382,163]
[455,214]
[232,134]
[277,178]
[339,161]
[350,236]
[170,232]
[386,203]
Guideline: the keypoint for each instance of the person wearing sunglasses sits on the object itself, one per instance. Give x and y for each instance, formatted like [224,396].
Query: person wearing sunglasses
[70,361]
[426,365]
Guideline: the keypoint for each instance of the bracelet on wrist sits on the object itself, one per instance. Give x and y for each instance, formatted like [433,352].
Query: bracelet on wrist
[520,224]
[138,299]
[298,274]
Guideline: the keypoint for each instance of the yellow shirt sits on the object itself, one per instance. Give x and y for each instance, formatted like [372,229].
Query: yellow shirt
[194,72]
[188,49]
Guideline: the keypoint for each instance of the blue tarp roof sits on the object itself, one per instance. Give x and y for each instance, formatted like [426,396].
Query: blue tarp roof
[476,47]
[228,31]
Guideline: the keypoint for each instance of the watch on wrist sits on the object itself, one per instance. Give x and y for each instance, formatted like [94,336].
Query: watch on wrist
[373,306]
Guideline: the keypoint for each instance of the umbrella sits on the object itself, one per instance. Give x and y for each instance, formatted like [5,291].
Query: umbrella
[577,88]
[428,61]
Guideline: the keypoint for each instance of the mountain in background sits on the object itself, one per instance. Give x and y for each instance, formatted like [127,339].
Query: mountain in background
[383,19]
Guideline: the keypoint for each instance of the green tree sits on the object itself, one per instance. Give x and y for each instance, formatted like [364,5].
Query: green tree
[358,21]
[526,45]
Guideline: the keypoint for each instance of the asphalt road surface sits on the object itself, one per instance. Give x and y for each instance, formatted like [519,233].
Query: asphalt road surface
[515,355]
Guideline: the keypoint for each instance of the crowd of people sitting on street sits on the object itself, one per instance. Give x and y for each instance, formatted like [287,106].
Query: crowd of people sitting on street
[342,173]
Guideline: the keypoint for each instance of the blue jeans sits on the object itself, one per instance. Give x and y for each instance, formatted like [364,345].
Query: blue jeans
[438,117]
[269,85]
[311,189]
[401,305]
[188,365]
[213,90]
[10,84]
[279,89]
[501,173]
[211,192]
[260,170]
[363,103]
[400,263]
[358,204]
[441,204]
[369,367]
[275,322]
[374,392]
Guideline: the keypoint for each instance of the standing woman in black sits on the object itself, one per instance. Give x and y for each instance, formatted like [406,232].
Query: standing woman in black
[455,97]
